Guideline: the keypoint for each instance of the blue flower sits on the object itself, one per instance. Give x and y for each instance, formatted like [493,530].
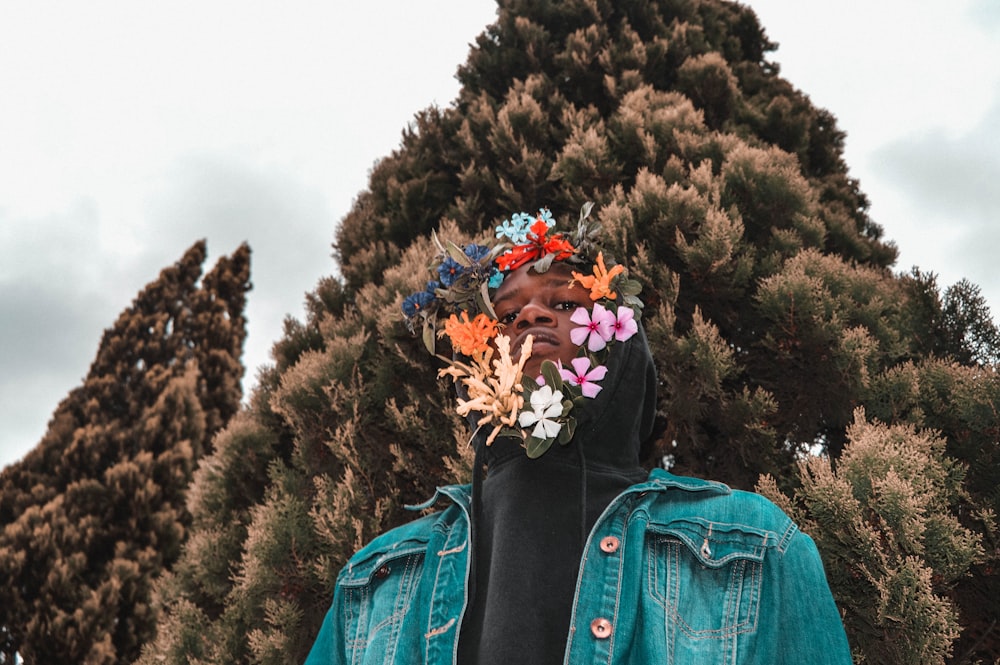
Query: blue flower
[516,228]
[449,271]
[545,215]
[496,279]
[476,252]
[418,302]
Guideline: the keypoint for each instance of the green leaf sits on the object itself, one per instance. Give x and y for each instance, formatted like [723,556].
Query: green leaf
[536,447]
[430,339]
[495,252]
[512,433]
[567,431]
[484,302]
[585,210]
[459,255]
[630,287]
[543,264]
[437,242]
[633,302]
[551,374]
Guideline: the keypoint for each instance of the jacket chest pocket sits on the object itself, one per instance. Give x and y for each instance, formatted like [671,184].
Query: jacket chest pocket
[377,597]
[706,577]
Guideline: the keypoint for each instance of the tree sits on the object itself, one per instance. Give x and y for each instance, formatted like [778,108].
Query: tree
[959,403]
[96,510]
[255,575]
[972,334]
[885,521]
[771,307]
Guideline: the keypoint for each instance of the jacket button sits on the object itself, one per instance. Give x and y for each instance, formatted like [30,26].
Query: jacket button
[601,628]
[382,572]
[609,544]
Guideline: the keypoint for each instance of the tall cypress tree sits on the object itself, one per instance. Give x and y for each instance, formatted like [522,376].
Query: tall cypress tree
[771,307]
[96,510]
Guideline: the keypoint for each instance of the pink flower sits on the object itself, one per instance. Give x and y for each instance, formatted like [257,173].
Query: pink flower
[596,327]
[624,324]
[581,377]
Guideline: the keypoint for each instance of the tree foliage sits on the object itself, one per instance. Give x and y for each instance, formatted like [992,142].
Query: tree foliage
[771,309]
[886,523]
[96,510]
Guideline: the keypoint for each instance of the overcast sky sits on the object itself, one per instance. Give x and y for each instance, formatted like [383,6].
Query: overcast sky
[129,130]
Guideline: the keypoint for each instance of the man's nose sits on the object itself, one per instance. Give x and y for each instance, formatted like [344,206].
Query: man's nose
[534,314]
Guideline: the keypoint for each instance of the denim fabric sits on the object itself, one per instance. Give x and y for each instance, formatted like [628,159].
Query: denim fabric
[676,570]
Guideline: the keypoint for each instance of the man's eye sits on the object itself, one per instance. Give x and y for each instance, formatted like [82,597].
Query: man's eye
[568,305]
[508,318]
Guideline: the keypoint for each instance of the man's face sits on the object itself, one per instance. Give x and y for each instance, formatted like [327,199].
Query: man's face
[540,304]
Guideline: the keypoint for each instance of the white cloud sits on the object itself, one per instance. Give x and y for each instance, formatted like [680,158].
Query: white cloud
[985,13]
[955,176]
[288,225]
[915,87]
[943,186]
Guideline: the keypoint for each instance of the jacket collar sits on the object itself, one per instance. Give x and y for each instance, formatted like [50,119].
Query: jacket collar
[659,480]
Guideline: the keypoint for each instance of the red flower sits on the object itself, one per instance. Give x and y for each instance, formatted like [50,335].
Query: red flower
[539,245]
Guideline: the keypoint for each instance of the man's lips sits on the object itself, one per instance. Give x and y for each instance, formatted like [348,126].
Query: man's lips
[542,338]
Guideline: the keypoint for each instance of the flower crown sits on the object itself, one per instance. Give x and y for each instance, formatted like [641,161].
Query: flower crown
[536,410]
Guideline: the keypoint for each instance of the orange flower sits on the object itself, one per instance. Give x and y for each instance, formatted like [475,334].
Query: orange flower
[600,282]
[470,337]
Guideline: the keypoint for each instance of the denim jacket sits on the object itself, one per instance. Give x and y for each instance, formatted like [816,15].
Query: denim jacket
[676,570]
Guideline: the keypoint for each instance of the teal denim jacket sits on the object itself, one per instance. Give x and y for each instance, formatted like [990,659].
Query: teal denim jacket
[676,570]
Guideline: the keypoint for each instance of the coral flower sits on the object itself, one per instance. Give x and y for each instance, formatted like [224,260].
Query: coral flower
[596,327]
[493,386]
[600,282]
[470,337]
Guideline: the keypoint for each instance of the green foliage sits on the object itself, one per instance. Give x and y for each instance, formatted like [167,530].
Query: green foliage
[349,431]
[962,404]
[956,325]
[972,336]
[96,511]
[886,522]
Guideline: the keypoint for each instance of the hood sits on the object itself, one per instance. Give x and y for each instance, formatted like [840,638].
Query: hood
[531,517]
[610,428]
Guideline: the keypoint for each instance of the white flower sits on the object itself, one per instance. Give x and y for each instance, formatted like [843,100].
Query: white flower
[545,405]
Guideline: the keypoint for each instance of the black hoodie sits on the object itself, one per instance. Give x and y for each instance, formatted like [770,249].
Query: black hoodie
[531,517]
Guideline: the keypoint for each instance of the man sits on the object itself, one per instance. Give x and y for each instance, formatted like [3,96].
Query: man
[565,549]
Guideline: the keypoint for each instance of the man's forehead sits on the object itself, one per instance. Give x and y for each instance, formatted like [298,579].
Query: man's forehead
[531,281]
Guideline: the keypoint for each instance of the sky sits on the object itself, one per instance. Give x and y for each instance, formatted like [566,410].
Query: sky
[130,130]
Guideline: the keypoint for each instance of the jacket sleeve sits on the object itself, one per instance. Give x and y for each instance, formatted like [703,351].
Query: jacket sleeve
[809,625]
